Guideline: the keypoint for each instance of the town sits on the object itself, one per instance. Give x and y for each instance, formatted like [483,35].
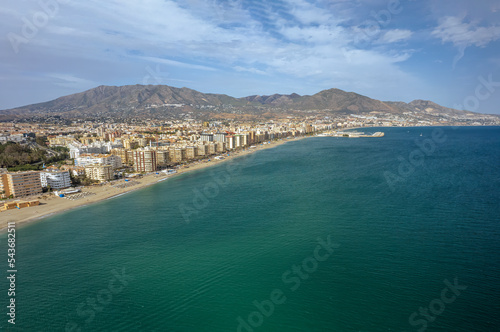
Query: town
[43,159]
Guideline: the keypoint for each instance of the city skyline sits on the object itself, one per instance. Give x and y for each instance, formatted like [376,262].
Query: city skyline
[387,50]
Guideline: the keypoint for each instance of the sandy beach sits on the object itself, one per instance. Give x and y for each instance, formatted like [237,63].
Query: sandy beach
[51,204]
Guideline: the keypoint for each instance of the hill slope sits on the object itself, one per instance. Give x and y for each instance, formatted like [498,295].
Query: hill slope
[164,101]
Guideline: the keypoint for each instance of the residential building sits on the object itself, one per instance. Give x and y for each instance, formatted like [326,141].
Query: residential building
[99,172]
[21,183]
[55,179]
[145,160]
[162,157]
[202,150]
[123,154]
[99,159]
[74,170]
[220,137]
[230,142]
[204,137]
[220,147]
[211,149]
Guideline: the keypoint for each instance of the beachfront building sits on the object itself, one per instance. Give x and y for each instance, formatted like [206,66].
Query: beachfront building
[202,150]
[230,142]
[220,147]
[20,184]
[176,155]
[145,160]
[191,152]
[2,190]
[99,172]
[55,179]
[162,157]
[220,137]
[99,159]
[211,149]
[205,137]
[124,155]
[75,170]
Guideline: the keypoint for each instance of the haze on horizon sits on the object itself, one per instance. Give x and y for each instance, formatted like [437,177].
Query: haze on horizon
[444,51]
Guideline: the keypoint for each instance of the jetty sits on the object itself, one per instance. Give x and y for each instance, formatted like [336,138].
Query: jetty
[350,134]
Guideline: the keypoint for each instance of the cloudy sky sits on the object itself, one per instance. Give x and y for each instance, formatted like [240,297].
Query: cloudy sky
[447,51]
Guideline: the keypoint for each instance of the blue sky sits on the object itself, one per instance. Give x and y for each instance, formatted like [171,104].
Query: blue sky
[445,51]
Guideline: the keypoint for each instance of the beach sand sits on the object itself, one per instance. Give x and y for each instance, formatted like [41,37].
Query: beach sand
[51,204]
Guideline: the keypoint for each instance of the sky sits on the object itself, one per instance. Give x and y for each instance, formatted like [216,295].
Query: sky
[447,51]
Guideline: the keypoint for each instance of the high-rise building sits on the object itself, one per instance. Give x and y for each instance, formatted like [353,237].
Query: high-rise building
[21,183]
[220,147]
[99,159]
[220,137]
[55,179]
[191,152]
[162,157]
[145,160]
[204,137]
[202,150]
[122,153]
[211,148]
[230,142]
[99,172]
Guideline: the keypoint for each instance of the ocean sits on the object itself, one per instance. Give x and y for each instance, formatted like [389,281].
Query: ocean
[399,233]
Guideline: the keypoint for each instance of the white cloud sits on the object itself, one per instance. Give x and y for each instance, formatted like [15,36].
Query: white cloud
[461,34]
[395,35]
[250,70]
[175,63]
[93,41]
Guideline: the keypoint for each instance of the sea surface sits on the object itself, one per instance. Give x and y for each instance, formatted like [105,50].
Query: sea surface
[399,233]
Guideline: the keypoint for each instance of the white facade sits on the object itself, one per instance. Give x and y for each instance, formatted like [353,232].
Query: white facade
[98,159]
[99,172]
[56,180]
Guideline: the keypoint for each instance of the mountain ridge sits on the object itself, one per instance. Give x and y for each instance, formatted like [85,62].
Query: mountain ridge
[162,100]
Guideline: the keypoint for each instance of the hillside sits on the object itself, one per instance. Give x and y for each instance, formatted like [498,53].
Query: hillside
[162,101]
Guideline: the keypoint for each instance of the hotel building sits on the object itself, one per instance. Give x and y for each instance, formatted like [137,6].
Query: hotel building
[145,160]
[99,172]
[21,183]
[56,180]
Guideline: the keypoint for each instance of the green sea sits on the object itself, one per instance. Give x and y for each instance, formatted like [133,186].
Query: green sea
[399,233]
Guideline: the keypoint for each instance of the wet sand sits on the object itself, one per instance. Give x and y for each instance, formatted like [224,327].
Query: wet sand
[51,204]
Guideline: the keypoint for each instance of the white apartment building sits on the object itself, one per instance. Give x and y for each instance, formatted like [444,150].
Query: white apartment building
[98,159]
[56,180]
[99,172]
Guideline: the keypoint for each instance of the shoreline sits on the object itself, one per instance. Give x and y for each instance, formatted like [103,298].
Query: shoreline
[51,205]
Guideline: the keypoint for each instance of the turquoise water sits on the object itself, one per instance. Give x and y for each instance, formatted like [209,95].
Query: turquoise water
[193,253]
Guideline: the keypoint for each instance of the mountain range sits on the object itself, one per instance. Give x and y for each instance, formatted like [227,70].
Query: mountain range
[162,101]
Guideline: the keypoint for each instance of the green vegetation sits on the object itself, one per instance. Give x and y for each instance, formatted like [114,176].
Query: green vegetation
[60,149]
[13,154]
[17,157]
[42,140]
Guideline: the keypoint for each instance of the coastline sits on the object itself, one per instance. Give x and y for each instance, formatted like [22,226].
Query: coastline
[51,205]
